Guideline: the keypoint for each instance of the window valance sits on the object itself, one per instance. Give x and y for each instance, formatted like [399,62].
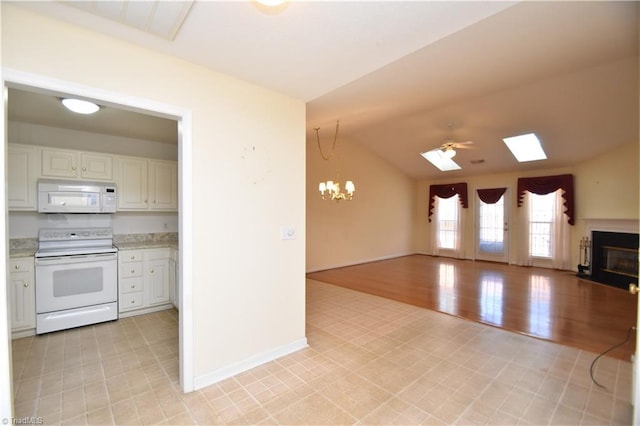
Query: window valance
[543,185]
[448,191]
[491,196]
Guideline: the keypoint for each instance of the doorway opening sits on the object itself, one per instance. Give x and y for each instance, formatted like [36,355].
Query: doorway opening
[182,118]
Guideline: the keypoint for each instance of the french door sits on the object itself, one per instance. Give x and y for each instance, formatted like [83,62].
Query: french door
[491,229]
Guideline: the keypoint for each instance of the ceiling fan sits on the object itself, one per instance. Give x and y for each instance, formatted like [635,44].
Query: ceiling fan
[442,156]
[449,147]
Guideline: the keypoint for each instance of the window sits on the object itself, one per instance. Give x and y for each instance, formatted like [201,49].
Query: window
[491,226]
[447,213]
[541,213]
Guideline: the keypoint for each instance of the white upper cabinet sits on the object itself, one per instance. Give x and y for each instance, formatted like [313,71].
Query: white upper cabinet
[163,185]
[142,184]
[95,166]
[22,177]
[147,184]
[132,182]
[62,163]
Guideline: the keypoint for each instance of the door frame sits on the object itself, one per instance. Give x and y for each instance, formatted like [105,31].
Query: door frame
[35,82]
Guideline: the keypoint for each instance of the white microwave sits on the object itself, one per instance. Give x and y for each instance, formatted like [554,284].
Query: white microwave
[67,196]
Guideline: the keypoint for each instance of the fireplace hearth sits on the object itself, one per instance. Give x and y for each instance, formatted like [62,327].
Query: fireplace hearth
[614,259]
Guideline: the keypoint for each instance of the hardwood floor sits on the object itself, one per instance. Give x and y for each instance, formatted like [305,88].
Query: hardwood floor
[547,304]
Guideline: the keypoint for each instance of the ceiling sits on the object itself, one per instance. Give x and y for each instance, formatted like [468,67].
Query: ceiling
[403,77]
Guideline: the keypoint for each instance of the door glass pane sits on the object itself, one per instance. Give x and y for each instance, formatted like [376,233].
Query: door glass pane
[447,222]
[492,227]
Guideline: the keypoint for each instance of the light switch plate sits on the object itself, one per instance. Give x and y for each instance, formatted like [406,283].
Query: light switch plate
[288,232]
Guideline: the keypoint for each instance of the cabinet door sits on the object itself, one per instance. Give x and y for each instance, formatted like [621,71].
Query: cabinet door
[132,184]
[157,284]
[163,185]
[96,166]
[22,295]
[59,163]
[173,289]
[22,177]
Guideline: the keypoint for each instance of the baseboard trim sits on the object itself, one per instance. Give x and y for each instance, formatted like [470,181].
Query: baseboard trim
[143,311]
[247,364]
[358,262]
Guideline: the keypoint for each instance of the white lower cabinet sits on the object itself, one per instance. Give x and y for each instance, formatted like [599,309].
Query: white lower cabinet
[143,280]
[22,294]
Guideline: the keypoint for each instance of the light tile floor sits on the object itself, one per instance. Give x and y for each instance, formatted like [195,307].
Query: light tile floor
[370,361]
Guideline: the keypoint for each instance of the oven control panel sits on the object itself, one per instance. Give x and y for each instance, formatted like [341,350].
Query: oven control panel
[74,234]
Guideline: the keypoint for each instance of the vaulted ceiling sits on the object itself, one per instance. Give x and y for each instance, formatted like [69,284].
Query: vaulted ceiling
[404,77]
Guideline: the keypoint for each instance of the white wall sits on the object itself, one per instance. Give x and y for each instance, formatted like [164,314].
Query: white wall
[247,149]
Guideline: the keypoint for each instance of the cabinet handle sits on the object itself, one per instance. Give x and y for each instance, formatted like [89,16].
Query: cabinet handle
[17,266]
[26,285]
[152,271]
[73,168]
[133,271]
[133,301]
[84,169]
[133,257]
[133,286]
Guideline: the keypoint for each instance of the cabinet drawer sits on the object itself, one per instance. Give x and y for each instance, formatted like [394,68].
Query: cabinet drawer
[21,265]
[131,269]
[131,285]
[130,256]
[131,301]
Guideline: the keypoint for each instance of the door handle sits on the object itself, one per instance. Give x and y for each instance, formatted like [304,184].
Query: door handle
[633,288]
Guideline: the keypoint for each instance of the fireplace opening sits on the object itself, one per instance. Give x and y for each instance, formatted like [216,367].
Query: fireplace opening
[614,258]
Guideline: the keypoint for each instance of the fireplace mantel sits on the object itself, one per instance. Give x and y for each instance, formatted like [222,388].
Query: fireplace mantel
[630,226]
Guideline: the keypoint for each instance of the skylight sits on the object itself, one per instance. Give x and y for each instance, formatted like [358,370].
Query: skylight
[440,160]
[525,147]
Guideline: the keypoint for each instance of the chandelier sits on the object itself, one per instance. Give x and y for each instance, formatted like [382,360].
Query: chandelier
[330,190]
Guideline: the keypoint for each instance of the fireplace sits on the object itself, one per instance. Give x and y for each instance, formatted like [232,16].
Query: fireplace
[614,259]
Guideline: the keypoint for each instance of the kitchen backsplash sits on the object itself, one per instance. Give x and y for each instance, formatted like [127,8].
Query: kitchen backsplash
[153,237]
[27,224]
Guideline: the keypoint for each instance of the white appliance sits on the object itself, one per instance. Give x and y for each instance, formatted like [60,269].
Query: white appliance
[67,196]
[76,278]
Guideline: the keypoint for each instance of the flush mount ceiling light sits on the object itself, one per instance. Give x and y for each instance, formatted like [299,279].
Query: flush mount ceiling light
[79,106]
[270,3]
[441,160]
[525,147]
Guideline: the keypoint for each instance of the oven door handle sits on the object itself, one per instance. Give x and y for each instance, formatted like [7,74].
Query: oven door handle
[98,257]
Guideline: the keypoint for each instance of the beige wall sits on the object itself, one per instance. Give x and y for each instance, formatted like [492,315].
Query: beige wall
[376,224]
[248,168]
